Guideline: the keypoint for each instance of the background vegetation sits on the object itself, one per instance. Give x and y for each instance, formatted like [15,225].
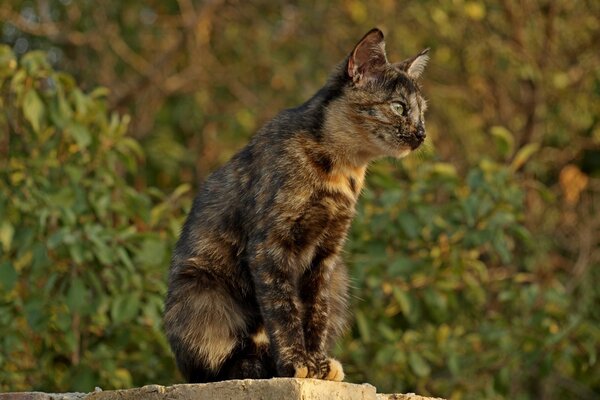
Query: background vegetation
[475,262]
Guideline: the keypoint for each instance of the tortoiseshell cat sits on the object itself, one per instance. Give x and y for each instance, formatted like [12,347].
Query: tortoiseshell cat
[257,287]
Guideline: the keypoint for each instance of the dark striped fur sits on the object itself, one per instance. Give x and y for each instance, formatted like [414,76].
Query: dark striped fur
[257,287]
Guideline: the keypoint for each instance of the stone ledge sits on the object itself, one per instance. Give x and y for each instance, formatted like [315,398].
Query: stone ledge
[249,389]
[406,396]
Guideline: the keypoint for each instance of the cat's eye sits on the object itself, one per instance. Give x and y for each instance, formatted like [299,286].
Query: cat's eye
[398,107]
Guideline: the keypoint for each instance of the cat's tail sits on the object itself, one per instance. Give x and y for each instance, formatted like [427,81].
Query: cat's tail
[208,329]
[247,361]
[201,321]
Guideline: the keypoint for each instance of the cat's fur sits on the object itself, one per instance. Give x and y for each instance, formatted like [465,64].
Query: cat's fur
[257,287]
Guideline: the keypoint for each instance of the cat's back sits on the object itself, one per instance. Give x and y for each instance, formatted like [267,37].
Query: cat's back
[235,197]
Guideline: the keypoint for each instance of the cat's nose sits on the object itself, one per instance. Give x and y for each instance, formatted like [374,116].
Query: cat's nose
[420,133]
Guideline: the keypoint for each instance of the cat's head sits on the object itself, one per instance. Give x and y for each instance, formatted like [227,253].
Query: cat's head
[383,101]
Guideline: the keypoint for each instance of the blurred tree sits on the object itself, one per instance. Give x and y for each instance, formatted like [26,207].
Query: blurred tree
[480,257]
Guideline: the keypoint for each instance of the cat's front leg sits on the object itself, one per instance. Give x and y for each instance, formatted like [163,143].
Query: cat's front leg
[277,295]
[316,297]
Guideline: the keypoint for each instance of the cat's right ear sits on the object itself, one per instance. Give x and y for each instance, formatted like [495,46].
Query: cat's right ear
[367,58]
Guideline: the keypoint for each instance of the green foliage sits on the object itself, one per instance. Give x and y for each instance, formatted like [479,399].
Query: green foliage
[444,289]
[83,252]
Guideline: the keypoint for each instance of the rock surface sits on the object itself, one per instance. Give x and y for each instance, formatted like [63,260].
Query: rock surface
[260,389]
[407,396]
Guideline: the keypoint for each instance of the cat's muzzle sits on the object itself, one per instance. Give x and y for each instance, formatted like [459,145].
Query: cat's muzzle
[418,138]
[413,140]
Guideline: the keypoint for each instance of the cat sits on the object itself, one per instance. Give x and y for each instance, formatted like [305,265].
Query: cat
[257,287]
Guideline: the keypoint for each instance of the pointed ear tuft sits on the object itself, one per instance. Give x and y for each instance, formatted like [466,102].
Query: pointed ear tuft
[367,57]
[414,66]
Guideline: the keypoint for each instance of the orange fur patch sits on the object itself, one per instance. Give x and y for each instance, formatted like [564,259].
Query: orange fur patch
[339,180]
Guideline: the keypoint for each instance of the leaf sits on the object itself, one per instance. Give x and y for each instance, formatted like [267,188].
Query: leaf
[76,296]
[33,109]
[81,102]
[34,312]
[99,92]
[8,276]
[403,300]
[500,245]
[56,238]
[418,364]
[152,253]
[101,249]
[444,169]
[453,364]
[52,277]
[475,179]
[125,259]
[402,266]
[474,10]
[358,11]
[469,208]
[409,224]
[388,333]
[71,339]
[572,182]
[81,135]
[35,62]
[84,380]
[7,232]
[125,307]
[8,61]
[523,155]
[122,377]
[436,303]
[363,326]
[76,252]
[505,142]
[130,147]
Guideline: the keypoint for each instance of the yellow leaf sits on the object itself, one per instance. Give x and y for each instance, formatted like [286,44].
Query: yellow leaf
[33,109]
[123,376]
[475,10]
[561,80]
[17,177]
[358,11]
[442,334]
[523,155]
[6,235]
[572,182]
[445,169]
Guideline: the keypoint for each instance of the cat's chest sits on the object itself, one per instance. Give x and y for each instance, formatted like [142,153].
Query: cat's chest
[327,218]
[346,181]
[336,198]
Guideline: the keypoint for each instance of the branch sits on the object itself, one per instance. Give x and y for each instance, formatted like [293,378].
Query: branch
[51,30]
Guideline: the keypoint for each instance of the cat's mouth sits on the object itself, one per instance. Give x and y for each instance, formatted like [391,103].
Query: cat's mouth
[411,140]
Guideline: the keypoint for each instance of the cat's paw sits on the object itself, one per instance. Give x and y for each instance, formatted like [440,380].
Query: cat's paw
[323,367]
[336,372]
[300,371]
[316,365]
[294,367]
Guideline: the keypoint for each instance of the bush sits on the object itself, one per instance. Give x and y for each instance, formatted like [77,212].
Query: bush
[84,249]
[446,289]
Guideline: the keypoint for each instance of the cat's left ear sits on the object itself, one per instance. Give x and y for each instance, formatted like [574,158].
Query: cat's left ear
[367,58]
[414,66]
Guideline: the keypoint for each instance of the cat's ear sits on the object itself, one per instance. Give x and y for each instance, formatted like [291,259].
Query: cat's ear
[414,66]
[367,58]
